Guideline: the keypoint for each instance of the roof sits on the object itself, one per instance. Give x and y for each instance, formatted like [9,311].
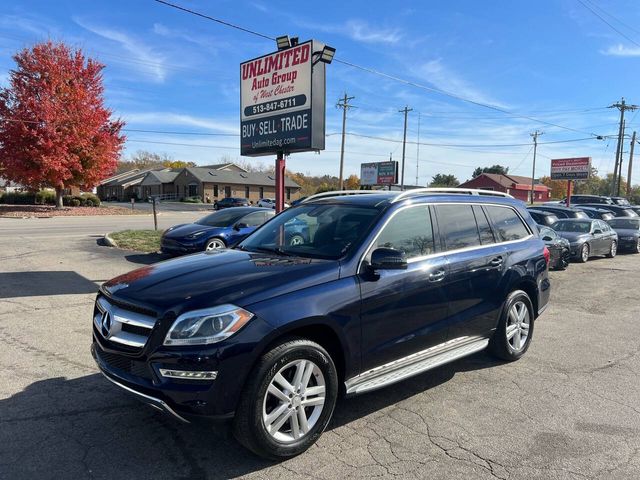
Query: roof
[156,177]
[124,177]
[511,181]
[210,175]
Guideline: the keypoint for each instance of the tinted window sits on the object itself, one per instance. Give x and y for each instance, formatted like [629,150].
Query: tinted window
[572,226]
[631,223]
[547,232]
[458,226]
[507,223]
[484,229]
[223,218]
[409,231]
[254,219]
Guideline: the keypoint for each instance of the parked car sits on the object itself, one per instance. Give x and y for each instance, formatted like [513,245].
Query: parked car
[596,212]
[561,212]
[617,210]
[270,203]
[299,200]
[217,230]
[229,202]
[628,230]
[558,246]
[580,199]
[542,217]
[622,201]
[588,238]
[387,286]
[635,208]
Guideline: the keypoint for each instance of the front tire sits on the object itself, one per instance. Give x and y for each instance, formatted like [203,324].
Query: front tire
[613,249]
[513,336]
[214,244]
[583,255]
[565,257]
[288,400]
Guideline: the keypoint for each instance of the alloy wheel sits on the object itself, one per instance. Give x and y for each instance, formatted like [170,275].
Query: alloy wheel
[638,246]
[518,324]
[294,401]
[614,249]
[584,252]
[296,240]
[214,244]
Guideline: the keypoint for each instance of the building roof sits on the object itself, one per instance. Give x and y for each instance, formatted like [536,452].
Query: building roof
[209,175]
[511,181]
[156,177]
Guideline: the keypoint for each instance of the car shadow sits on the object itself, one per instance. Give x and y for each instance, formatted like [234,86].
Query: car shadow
[43,283]
[86,427]
[147,258]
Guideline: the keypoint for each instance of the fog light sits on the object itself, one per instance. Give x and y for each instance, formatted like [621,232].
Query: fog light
[188,374]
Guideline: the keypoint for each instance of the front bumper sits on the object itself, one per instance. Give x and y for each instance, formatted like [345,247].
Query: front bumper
[175,247]
[628,245]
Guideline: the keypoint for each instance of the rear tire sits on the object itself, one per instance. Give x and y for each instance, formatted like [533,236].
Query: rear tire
[257,424]
[565,257]
[513,336]
[613,249]
[583,254]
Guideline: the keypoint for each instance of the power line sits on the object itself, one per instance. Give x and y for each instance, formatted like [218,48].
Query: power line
[610,25]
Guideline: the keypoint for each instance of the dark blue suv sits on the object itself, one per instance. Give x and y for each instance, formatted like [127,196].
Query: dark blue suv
[387,285]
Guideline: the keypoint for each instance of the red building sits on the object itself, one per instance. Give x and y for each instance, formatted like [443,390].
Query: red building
[516,186]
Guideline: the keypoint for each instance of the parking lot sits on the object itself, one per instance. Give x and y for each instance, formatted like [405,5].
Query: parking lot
[569,409]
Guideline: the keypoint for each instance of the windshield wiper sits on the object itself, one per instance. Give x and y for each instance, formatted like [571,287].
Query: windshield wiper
[276,250]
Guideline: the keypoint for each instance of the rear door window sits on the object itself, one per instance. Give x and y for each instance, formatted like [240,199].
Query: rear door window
[507,223]
[254,219]
[409,231]
[484,229]
[458,227]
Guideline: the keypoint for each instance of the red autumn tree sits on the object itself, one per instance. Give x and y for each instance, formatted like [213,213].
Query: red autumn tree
[54,128]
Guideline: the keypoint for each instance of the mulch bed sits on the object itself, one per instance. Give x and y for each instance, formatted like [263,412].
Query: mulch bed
[45,211]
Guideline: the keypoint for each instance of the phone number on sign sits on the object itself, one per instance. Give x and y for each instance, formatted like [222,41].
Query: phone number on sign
[275,105]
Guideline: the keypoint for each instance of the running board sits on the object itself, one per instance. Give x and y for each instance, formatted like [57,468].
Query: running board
[415,364]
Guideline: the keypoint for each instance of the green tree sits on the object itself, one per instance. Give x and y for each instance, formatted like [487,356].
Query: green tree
[499,169]
[444,180]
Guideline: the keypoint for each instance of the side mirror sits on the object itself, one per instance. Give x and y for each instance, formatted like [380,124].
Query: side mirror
[388,259]
[240,225]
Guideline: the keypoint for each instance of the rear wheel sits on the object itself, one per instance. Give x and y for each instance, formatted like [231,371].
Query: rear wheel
[288,400]
[613,249]
[637,246]
[296,240]
[512,337]
[583,255]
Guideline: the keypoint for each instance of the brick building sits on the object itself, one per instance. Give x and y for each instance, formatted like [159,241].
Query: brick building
[515,185]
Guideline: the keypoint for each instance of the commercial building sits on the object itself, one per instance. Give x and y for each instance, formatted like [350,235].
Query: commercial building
[515,185]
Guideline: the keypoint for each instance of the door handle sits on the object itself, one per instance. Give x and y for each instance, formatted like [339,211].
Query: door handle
[436,276]
[496,262]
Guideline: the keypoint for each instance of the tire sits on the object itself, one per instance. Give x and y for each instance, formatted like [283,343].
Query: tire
[296,240]
[583,256]
[516,320]
[565,257]
[214,244]
[613,249]
[258,405]
[637,250]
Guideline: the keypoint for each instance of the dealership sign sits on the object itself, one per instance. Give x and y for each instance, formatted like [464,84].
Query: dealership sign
[380,173]
[571,168]
[282,98]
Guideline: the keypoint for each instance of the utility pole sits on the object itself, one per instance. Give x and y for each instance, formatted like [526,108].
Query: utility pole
[405,110]
[622,106]
[629,171]
[619,174]
[418,151]
[345,106]
[535,136]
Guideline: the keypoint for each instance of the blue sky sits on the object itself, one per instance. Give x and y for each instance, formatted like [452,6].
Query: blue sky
[554,62]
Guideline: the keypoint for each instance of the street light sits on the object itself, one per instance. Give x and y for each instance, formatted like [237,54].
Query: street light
[283,42]
[325,55]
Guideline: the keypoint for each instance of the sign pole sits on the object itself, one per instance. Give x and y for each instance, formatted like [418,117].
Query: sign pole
[280,169]
[568,193]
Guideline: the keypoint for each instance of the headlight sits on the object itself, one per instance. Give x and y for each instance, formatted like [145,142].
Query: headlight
[195,235]
[211,325]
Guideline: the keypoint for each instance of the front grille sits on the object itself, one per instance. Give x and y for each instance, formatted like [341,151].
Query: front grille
[122,326]
[127,365]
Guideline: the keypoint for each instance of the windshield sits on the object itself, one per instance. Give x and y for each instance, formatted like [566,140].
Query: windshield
[313,231]
[622,201]
[572,226]
[224,218]
[632,223]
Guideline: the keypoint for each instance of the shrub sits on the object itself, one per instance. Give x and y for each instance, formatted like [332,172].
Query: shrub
[91,200]
[196,199]
[76,202]
[19,198]
[45,197]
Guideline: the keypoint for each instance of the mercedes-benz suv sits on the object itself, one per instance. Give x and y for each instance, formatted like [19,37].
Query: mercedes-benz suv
[385,286]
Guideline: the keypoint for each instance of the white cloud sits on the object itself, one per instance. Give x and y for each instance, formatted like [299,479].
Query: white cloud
[153,62]
[621,50]
[357,30]
[204,41]
[443,78]
[180,119]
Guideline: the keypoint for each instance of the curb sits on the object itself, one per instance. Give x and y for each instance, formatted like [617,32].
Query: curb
[110,241]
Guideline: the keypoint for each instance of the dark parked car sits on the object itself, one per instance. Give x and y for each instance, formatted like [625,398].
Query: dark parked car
[229,202]
[387,286]
[588,238]
[542,217]
[617,210]
[596,212]
[561,212]
[217,230]
[628,230]
[623,202]
[580,199]
[558,246]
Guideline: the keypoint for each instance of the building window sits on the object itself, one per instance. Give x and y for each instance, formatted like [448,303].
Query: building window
[246,191]
[193,190]
[261,192]
[288,193]
[215,191]
[227,191]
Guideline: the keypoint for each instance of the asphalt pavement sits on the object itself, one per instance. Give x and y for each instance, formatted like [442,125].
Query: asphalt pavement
[569,409]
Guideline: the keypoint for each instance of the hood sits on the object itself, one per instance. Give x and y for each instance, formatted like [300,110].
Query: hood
[574,237]
[187,229]
[216,277]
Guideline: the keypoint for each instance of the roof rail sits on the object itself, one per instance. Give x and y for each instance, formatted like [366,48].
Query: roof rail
[454,191]
[337,193]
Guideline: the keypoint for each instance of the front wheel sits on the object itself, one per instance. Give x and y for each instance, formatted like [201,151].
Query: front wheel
[637,246]
[613,249]
[296,240]
[583,255]
[215,244]
[513,336]
[288,400]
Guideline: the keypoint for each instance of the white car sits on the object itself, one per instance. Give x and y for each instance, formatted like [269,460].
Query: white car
[270,203]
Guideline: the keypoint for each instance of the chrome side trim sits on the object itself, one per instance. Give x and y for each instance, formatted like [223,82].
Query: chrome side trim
[450,191]
[415,364]
[152,401]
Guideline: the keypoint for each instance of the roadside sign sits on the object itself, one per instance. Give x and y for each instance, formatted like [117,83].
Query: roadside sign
[282,102]
[379,173]
[578,168]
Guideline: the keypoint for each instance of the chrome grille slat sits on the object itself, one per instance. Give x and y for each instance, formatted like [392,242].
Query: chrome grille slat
[112,329]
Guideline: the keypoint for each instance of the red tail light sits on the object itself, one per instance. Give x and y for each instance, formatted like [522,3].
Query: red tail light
[547,254]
